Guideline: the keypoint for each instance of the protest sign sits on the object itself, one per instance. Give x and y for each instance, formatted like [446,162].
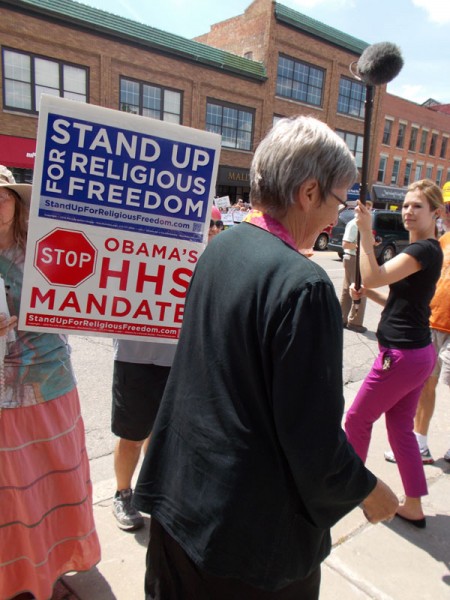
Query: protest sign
[118,219]
[222,202]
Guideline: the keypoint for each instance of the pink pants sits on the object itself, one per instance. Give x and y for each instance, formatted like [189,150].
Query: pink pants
[395,391]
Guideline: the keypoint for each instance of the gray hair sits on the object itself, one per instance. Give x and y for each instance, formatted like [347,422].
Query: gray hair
[295,150]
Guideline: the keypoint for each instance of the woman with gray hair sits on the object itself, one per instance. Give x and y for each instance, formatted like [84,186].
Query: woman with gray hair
[249,467]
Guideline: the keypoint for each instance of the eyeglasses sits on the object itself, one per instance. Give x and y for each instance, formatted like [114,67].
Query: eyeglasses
[218,224]
[343,202]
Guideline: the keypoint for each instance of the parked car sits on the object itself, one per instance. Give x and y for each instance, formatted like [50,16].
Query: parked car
[387,226]
[321,242]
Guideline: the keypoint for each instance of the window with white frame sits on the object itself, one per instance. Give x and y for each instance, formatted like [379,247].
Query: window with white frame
[439,173]
[300,81]
[413,139]
[352,95]
[418,173]
[429,172]
[395,171]
[150,100]
[401,135]
[234,123]
[382,168]
[423,141]
[444,145]
[387,131]
[407,175]
[26,76]
[355,143]
[433,142]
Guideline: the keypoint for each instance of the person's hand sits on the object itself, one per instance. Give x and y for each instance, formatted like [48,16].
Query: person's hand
[363,218]
[381,504]
[356,294]
[6,324]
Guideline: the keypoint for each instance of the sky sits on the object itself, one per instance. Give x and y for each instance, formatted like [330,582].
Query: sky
[420,28]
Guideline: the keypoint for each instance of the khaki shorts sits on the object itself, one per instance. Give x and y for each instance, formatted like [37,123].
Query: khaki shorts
[441,343]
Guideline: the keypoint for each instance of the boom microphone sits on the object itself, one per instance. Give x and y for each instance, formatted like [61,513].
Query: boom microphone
[379,63]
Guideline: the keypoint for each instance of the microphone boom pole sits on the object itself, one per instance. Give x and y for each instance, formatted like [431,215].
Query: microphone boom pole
[364,175]
[378,64]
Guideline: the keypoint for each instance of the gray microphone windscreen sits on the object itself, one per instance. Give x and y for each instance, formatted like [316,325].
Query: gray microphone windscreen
[379,63]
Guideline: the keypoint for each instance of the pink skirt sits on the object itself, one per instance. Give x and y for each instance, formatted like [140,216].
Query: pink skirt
[46,518]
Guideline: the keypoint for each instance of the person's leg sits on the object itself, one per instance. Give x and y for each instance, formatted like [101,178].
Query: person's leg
[126,458]
[425,407]
[375,396]
[346,301]
[399,423]
[356,316]
[132,418]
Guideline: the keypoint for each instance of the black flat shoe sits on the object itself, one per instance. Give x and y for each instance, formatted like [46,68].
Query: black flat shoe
[419,523]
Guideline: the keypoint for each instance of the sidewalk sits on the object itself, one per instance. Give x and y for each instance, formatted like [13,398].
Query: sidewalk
[391,561]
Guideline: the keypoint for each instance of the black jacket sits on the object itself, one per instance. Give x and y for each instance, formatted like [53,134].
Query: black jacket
[249,467]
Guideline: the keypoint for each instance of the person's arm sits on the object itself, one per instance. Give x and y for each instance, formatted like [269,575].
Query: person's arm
[348,245]
[375,295]
[380,502]
[308,406]
[374,275]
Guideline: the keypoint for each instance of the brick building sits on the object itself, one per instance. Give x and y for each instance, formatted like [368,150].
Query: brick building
[413,143]
[237,79]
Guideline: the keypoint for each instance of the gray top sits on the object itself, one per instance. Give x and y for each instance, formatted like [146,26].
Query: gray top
[153,353]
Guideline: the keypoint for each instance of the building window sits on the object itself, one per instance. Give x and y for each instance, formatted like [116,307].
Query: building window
[299,81]
[382,169]
[26,77]
[429,172]
[423,141]
[433,142]
[439,173]
[387,132]
[395,171]
[407,176]
[413,139]
[150,100]
[232,122]
[443,151]
[401,135]
[352,96]
[355,144]
[418,173]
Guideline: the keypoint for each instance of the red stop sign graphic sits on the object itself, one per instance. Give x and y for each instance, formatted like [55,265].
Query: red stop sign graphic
[65,257]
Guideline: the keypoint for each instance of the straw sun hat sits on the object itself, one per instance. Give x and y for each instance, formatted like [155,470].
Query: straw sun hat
[7,180]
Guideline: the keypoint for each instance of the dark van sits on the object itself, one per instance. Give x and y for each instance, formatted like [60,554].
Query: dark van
[387,228]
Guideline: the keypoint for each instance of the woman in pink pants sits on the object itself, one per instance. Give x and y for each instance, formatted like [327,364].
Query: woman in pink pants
[406,355]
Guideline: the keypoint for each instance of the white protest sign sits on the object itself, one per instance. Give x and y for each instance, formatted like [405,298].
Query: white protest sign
[117,221]
[222,202]
[227,219]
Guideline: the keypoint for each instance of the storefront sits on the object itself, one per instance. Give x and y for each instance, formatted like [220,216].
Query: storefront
[234,183]
[18,154]
[385,196]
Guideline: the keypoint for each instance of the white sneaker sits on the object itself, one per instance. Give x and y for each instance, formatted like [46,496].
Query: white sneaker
[425,453]
[447,455]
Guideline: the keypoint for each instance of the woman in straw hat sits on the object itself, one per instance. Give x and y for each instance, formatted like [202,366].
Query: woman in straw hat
[46,518]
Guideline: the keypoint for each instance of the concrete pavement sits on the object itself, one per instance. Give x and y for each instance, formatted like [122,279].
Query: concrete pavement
[385,562]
